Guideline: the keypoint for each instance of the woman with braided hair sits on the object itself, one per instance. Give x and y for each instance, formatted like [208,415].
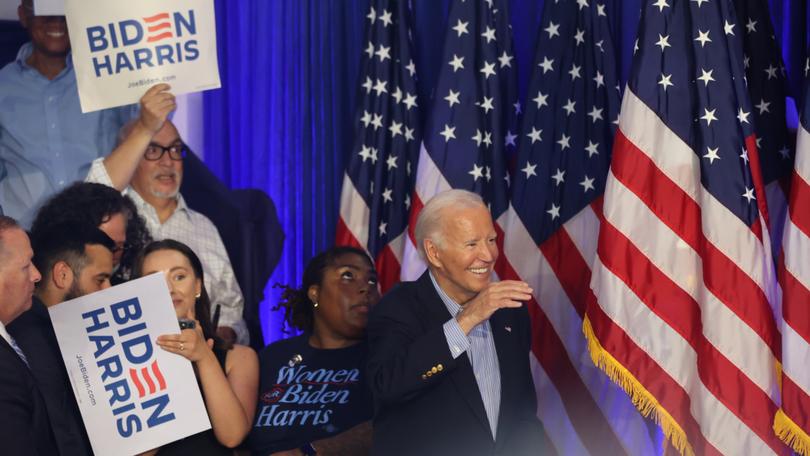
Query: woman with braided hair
[313,397]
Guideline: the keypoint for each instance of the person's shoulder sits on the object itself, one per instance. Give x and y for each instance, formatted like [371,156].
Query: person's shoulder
[392,303]
[282,347]
[9,70]
[402,290]
[10,79]
[201,221]
[242,356]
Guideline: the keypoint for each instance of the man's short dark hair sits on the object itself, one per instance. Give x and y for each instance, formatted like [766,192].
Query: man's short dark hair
[86,202]
[66,242]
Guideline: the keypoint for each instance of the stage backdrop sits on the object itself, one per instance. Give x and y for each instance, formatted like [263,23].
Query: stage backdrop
[282,121]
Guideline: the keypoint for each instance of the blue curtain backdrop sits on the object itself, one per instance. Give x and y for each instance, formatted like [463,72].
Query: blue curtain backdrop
[283,120]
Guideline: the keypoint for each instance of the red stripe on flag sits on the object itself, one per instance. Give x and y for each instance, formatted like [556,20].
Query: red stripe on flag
[796,307]
[587,418]
[669,394]
[572,271]
[800,204]
[673,305]
[344,236]
[679,212]
[795,403]
[387,268]
[416,208]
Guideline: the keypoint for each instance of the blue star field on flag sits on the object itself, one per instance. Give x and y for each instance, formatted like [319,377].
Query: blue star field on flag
[388,122]
[689,69]
[567,130]
[767,85]
[473,117]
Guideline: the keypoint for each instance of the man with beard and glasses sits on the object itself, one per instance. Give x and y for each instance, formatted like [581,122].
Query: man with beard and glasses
[148,167]
[75,260]
[46,142]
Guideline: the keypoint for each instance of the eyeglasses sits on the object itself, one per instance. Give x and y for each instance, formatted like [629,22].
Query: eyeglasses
[176,152]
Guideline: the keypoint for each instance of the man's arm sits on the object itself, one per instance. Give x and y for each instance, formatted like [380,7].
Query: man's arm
[403,357]
[156,104]
[224,290]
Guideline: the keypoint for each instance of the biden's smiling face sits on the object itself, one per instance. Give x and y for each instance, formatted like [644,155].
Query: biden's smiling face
[466,251]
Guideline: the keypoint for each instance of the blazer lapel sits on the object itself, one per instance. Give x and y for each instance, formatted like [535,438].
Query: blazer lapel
[4,345]
[462,376]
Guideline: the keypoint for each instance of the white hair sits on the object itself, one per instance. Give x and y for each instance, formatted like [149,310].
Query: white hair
[429,223]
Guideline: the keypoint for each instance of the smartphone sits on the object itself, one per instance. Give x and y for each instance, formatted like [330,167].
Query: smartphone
[186,324]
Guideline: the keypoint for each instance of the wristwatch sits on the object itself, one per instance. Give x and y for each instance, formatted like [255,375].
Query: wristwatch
[307,449]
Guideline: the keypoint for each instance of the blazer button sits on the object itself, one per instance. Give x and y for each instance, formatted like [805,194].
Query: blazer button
[424,377]
[439,367]
[429,373]
[434,369]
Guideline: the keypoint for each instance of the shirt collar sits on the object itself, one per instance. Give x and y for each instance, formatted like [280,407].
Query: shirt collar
[141,203]
[28,48]
[4,333]
[452,306]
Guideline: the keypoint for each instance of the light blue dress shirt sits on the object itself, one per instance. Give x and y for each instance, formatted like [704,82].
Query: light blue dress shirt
[480,348]
[46,143]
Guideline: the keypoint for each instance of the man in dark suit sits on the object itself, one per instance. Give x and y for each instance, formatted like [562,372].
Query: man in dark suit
[449,353]
[75,260]
[25,429]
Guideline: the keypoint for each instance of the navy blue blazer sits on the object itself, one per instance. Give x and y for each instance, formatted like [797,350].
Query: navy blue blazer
[441,412]
[34,334]
[25,429]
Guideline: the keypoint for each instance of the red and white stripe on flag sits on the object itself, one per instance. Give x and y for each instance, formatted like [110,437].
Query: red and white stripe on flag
[375,198]
[582,412]
[683,317]
[792,422]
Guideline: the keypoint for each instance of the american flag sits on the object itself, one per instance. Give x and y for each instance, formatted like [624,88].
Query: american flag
[767,86]
[686,303]
[375,197]
[551,227]
[793,420]
[473,117]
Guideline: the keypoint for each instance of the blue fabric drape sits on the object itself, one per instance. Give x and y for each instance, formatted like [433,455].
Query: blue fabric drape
[283,120]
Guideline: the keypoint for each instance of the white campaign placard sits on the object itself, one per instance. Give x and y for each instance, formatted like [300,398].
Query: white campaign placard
[122,47]
[49,7]
[133,395]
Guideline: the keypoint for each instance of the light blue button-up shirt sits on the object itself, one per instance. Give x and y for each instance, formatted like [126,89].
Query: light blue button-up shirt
[480,347]
[46,143]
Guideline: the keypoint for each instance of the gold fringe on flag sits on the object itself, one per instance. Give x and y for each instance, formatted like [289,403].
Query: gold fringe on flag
[644,401]
[791,433]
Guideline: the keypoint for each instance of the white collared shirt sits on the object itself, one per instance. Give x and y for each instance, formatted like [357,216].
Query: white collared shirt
[198,232]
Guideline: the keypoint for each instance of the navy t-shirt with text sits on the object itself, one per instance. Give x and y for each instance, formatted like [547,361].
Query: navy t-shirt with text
[307,394]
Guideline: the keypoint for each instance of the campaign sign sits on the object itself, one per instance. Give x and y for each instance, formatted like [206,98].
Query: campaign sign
[122,47]
[49,7]
[133,395]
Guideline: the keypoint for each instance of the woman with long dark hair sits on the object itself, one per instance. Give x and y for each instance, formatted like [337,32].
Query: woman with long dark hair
[227,374]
